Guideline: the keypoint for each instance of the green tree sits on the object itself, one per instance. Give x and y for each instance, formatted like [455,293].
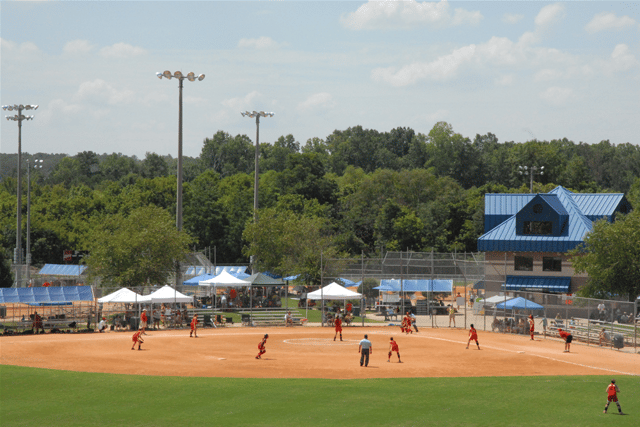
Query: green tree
[287,243]
[134,249]
[610,255]
[6,277]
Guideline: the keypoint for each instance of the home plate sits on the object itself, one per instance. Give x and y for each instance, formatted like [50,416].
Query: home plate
[222,358]
[521,352]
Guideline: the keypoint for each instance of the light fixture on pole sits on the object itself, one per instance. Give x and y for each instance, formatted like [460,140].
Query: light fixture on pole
[257,115]
[191,77]
[19,118]
[37,164]
[531,171]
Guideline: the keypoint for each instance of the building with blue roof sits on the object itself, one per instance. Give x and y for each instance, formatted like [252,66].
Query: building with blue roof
[527,237]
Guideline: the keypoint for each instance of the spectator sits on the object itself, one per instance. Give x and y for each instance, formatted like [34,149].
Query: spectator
[102,326]
[156,319]
[288,319]
[37,323]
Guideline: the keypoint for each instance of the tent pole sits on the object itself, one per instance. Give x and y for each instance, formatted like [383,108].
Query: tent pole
[321,293]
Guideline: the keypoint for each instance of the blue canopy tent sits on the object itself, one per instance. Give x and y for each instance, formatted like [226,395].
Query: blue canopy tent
[195,281]
[519,303]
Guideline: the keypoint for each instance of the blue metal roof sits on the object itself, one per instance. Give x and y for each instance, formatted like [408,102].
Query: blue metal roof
[46,294]
[199,270]
[539,283]
[504,238]
[394,285]
[62,270]
[598,206]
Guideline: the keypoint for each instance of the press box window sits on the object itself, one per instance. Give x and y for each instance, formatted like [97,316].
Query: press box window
[551,264]
[523,263]
[544,228]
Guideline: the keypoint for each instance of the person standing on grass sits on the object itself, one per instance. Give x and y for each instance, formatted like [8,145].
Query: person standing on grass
[194,326]
[473,336]
[261,346]
[365,349]
[338,325]
[612,396]
[393,346]
[137,338]
[567,337]
[532,325]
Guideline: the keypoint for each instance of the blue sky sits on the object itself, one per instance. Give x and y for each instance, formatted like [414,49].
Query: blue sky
[520,70]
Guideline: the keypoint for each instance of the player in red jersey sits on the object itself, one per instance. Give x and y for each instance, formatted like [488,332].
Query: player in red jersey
[137,338]
[473,336]
[144,319]
[261,346]
[532,325]
[338,324]
[393,346]
[567,337]
[194,326]
[406,324]
[612,396]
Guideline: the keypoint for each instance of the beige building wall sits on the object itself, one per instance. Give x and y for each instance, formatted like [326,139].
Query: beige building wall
[498,265]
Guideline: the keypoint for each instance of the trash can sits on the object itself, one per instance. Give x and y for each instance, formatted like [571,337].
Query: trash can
[134,323]
[207,320]
[618,341]
[3,311]
[356,311]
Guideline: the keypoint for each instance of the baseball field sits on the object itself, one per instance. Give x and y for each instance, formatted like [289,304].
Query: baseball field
[305,378]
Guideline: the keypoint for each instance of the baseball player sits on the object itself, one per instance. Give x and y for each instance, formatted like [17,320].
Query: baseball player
[144,319]
[473,336]
[612,396]
[532,325]
[406,324]
[194,326]
[338,324]
[137,338]
[393,346]
[567,337]
[261,346]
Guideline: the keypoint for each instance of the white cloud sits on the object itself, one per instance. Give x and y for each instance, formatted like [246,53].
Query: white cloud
[512,18]
[609,21]
[122,50]
[317,100]
[394,14]
[262,42]
[247,102]
[556,95]
[622,59]
[78,47]
[550,14]
[23,48]
[99,92]
[546,75]
[505,80]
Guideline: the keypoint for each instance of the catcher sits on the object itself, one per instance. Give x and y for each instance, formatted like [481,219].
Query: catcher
[137,338]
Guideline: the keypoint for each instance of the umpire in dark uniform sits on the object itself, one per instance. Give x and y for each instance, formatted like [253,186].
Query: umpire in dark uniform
[365,349]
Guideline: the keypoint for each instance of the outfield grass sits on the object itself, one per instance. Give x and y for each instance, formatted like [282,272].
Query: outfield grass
[42,397]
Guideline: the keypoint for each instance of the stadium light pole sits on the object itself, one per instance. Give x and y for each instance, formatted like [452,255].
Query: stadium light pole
[191,77]
[257,115]
[19,118]
[37,164]
[531,171]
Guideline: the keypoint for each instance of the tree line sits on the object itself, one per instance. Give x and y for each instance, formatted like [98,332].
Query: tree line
[355,191]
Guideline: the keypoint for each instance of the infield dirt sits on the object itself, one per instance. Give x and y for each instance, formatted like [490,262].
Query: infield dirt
[310,352]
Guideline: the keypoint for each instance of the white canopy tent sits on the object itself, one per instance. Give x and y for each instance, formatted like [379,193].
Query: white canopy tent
[167,294]
[333,291]
[491,302]
[124,296]
[225,279]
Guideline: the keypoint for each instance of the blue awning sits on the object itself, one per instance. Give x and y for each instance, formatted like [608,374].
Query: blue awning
[537,283]
[62,270]
[394,285]
[46,294]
